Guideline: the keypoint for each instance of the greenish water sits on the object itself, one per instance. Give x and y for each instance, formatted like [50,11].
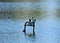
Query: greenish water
[13,15]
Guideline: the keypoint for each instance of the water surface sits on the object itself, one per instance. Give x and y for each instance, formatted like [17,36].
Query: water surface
[14,15]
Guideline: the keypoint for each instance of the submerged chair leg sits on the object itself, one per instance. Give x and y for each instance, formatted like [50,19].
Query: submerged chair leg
[24,29]
[33,29]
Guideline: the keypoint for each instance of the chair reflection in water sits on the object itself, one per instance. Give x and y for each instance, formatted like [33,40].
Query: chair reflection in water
[31,22]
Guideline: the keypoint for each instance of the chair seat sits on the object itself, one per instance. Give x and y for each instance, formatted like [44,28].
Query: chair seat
[30,24]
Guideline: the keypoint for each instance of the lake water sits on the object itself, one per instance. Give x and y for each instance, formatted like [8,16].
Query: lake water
[13,15]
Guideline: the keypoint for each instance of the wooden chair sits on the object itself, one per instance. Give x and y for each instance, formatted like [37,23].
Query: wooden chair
[29,23]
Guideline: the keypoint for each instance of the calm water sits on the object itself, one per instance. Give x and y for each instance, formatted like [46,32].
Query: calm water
[14,15]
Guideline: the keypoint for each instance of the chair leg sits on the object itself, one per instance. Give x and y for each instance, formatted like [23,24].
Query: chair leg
[24,29]
[33,29]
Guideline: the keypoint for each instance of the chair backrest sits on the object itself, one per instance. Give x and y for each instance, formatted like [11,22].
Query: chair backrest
[29,20]
[33,19]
